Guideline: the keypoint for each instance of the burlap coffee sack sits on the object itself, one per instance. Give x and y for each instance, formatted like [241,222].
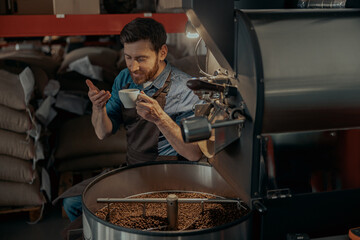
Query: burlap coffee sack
[92,162]
[16,170]
[11,91]
[15,120]
[32,58]
[77,138]
[16,145]
[99,56]
[20,194]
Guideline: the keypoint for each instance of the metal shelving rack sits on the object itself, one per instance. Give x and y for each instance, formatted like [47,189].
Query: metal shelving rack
[69,25]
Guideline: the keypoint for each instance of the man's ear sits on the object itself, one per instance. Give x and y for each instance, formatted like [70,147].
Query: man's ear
[163,52]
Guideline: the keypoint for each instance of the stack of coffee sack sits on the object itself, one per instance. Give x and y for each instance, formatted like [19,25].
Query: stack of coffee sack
[22,175]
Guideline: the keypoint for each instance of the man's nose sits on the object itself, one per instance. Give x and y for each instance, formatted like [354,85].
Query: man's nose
[134,66]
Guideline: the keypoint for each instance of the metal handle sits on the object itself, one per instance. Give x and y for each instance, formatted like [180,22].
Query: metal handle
[198,128]
[261,208]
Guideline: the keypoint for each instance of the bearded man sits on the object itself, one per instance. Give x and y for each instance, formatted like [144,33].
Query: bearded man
[152,128]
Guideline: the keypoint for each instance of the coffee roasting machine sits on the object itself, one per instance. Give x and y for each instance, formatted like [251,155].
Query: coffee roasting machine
[279,126]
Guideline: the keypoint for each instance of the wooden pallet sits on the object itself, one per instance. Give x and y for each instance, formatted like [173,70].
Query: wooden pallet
[33,212]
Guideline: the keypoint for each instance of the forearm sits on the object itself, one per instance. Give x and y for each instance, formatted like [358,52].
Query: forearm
[172,133]
[101,122]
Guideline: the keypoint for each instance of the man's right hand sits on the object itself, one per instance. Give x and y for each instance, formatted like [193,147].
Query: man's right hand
[99,118]
[97,97]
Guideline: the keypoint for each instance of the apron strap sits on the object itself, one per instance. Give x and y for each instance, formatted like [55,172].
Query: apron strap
[160,95]
[143,136]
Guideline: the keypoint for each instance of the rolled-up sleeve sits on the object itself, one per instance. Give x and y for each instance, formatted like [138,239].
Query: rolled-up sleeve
[113,106]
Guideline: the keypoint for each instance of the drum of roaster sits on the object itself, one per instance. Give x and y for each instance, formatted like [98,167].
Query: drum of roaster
[154,177]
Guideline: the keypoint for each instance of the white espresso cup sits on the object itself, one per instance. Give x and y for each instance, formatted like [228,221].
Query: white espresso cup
[128,97]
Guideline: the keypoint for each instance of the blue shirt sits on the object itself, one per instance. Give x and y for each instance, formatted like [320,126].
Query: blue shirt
[179,100]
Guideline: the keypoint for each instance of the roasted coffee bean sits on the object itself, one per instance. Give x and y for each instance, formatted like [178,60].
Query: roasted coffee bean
[191,216]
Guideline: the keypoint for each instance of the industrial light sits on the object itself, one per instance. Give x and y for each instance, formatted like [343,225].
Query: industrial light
[190,31]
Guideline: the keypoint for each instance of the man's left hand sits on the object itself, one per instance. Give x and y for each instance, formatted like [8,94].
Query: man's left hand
[149,109]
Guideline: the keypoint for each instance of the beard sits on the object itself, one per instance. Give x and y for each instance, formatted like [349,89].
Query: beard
[145,76]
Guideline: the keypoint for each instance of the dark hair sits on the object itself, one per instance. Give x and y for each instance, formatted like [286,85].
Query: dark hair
[144,29]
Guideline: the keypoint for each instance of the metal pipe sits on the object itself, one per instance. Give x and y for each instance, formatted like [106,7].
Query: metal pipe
[227,123]
[172,211]
[164,200]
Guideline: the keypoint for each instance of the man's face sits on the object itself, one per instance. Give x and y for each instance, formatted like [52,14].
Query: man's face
[142,61]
